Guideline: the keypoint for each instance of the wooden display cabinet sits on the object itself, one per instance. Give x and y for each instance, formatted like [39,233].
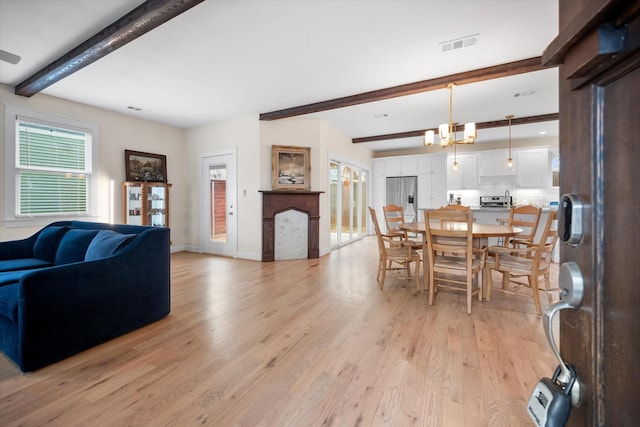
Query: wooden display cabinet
[145,203]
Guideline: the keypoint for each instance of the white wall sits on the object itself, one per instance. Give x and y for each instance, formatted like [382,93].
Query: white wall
[324,141]
[117,132]
[243,135]
[251,138]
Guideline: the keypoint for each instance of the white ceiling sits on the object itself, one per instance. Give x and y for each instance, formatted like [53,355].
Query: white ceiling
[223,59]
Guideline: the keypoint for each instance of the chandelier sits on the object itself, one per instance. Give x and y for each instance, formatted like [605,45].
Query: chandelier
[447,132]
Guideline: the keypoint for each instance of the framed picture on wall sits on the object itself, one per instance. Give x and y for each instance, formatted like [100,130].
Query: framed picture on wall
[290,168]
[148,167]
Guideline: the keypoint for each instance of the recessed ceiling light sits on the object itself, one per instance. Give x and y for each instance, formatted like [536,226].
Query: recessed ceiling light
[542,132]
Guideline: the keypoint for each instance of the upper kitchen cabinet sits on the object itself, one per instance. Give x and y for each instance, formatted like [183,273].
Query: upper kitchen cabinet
[432,181]
[466,176]
[378,167]
[401,166]
[432,164]
[532,168]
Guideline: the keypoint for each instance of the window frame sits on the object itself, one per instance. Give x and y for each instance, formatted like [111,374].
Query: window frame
[15,114]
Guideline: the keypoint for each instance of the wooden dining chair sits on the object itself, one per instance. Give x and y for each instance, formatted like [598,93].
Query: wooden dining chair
[532,261]
[452,260]
[527,218]
[457,207]
[394,219]
[394,251]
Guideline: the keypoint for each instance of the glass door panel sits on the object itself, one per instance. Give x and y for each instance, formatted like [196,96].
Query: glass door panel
[345,234]
[364,202]
[355,212]
[218,202]
[156,211]
[334,206]
[347,203]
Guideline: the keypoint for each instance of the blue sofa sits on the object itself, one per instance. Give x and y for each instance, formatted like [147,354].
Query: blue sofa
[74,285]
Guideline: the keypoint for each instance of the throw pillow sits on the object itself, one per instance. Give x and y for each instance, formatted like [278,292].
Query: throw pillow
[107,243]
[73,246]
[47,243]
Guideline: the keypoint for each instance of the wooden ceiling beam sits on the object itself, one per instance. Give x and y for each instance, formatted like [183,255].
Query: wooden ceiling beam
[473,76]
[483,125]
[149,15]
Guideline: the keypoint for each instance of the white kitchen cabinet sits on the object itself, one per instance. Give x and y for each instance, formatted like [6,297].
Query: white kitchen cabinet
[378,168]
[466,176]
[432,164]
[401,166]
[379,194]
[432,181]
[432,191]
[532,168]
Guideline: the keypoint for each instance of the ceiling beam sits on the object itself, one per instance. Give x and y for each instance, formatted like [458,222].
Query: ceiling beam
[481,74]
[149,15]
[483,125]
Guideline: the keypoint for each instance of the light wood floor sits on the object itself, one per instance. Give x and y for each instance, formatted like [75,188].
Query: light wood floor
[296,343]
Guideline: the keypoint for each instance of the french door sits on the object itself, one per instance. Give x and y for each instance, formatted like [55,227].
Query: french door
[218,224]
[348,189]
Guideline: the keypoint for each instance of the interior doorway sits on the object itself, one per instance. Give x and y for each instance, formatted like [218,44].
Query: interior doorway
[218,224]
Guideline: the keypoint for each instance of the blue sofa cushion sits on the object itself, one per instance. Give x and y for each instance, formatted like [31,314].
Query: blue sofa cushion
[73,246]
[22,264]
[47,243]
[9,301]
[8,277]
[107,243]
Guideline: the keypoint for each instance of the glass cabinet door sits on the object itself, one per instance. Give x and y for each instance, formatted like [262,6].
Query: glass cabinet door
[156,206]
[146,203]
[133,204]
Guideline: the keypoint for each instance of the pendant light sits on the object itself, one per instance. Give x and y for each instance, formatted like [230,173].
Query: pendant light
[509,162]
[455,159]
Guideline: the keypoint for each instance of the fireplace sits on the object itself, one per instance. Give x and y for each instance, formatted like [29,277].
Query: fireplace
[274,202]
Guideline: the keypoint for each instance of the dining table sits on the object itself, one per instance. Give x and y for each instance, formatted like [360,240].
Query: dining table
[481,233]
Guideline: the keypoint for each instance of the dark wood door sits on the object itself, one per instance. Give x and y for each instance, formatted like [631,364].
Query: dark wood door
[598,52]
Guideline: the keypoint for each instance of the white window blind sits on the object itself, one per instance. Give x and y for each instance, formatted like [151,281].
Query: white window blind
[52,169]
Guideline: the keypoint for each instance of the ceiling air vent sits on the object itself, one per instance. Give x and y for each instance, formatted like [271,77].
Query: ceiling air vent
[524,93]
[460,43]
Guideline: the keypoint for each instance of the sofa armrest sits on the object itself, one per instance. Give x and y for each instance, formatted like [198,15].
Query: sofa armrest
[69,308]
[16,249]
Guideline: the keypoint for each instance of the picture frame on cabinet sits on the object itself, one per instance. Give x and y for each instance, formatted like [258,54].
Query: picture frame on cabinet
[146,167]
[290,168]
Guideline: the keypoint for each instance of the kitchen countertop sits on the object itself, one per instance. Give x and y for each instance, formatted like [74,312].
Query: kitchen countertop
[504,209]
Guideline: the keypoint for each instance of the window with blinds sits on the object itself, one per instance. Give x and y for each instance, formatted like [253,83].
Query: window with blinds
[53,169]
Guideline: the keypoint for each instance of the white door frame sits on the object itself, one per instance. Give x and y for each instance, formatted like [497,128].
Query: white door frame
[230,248]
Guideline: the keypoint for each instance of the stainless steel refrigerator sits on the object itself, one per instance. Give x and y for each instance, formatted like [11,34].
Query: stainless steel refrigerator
[403,191]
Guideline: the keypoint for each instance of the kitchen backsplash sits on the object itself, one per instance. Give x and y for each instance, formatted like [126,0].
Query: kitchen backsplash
[520,196]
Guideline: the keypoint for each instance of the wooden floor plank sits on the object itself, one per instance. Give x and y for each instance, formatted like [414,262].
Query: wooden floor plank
[294,343]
